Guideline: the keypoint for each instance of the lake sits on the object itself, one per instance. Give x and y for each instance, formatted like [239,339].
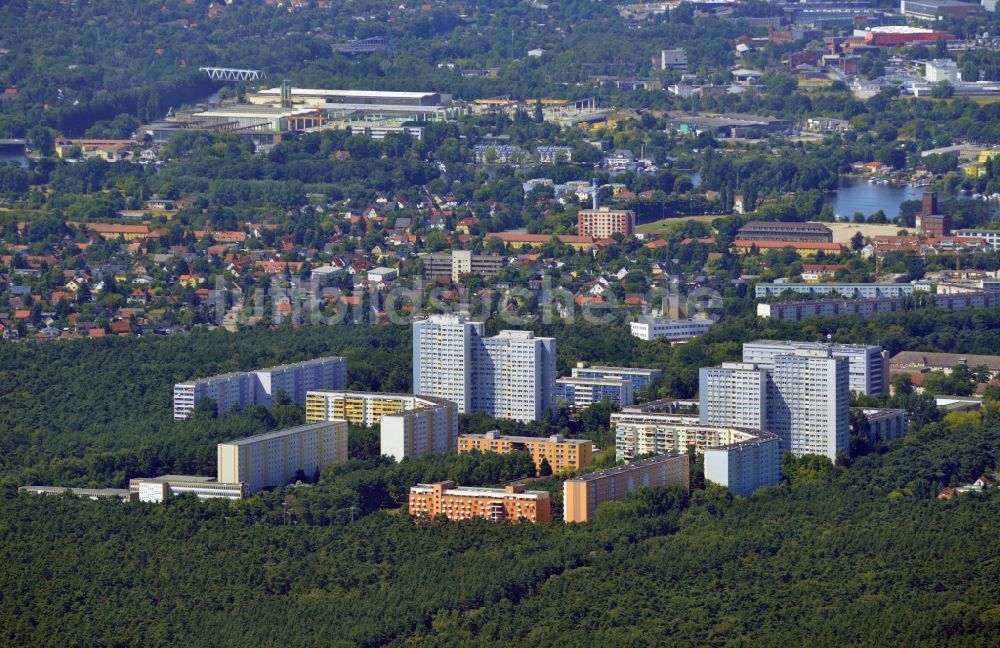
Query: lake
[13,154]
[856,195]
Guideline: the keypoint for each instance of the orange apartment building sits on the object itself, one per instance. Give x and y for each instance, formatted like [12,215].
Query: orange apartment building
[462,503]
[562,454]
[582,495]
[601,223]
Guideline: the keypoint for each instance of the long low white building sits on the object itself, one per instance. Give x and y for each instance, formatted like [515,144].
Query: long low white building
[650,328]
[850,290]
[275,458]
[991,236]
[639,377]
[583,392]
[84,493]
[320,97]
[157,489]
[151,489]
[794,311]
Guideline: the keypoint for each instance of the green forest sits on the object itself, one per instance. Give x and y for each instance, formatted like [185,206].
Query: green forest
[98,412]
[861,553]
[859,556]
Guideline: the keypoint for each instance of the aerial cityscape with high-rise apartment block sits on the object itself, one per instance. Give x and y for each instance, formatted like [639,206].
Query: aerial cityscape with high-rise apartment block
[509,324]
[868,365]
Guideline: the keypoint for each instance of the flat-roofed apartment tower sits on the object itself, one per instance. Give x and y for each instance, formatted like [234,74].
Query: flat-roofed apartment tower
[809,403]
[868,366]
[745,465]
[802,395]
[733,394]
[442,358]
[510,375]
[274,458]
[582,495]
[430,429]
[603,222]
[515,376]
[259,387]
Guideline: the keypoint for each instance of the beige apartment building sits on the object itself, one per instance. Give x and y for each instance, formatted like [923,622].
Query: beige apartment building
[562,454]
[582,495]
[458,263]
[274,458]
[410,426]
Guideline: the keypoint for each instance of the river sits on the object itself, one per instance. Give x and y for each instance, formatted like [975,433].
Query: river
[856,195]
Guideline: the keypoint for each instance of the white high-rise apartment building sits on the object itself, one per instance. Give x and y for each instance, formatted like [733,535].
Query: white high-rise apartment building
[868,366]
[298,378]
[511,375]
[734,394]
[442,358]
[803,397]
[274,458]
[515,375]
[259,387]
[808,403]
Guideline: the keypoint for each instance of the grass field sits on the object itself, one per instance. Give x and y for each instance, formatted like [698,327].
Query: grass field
[664,225]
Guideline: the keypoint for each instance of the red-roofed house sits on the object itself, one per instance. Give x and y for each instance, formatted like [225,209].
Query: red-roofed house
[61,294]
[814,272]
[121,328]
[229,237]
